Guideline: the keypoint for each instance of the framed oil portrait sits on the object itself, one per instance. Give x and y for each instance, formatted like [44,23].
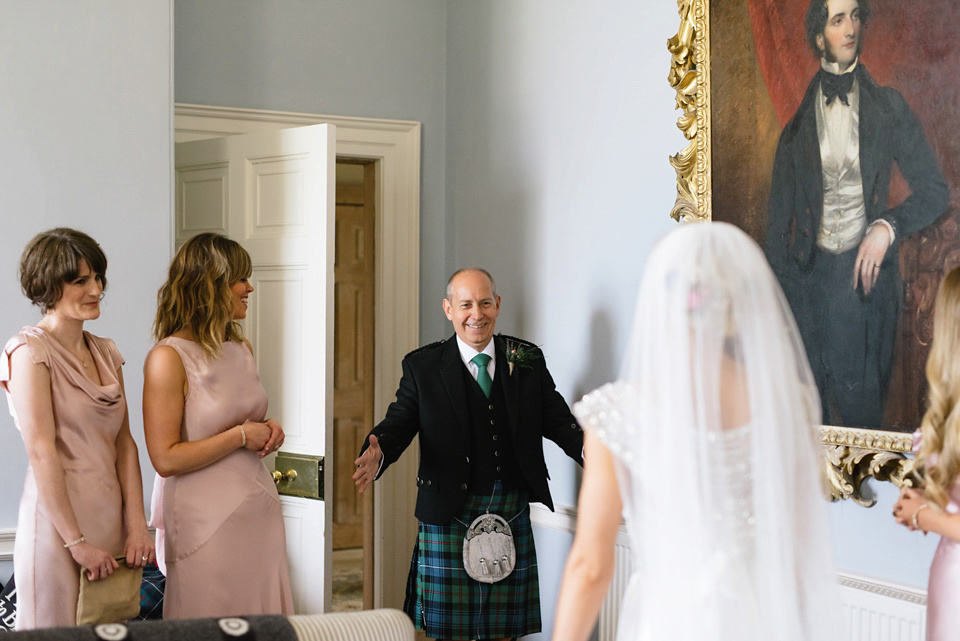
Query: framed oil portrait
[769,154]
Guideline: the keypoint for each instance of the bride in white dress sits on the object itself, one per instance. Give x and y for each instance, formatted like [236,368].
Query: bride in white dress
[708,444]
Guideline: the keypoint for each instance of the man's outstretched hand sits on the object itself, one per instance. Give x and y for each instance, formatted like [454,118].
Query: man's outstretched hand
[368,464]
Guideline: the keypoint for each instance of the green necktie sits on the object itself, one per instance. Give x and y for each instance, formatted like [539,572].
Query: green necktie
[483,376]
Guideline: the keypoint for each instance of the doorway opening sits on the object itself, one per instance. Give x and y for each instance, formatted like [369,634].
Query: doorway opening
[353,379]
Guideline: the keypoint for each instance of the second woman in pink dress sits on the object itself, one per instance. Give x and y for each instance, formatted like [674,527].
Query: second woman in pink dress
[216,509]
[936,507]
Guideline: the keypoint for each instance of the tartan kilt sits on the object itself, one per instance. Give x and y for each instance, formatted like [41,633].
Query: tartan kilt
[446,603]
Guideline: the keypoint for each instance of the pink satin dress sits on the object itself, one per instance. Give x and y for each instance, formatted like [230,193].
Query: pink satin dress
[943,589]
[222,529]
[87,419]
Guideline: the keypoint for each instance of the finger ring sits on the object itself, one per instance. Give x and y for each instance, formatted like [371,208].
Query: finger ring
[144,558]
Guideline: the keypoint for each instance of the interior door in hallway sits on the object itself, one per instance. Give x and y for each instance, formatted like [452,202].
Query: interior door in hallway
[273,192]
[353,371]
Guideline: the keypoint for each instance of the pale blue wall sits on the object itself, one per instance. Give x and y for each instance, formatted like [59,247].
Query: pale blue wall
[86,107]
[370,58]
[867,542]
[547,127]
[546,130]
[559,124]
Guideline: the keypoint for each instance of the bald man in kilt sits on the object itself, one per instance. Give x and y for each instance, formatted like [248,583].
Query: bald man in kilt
[481,405]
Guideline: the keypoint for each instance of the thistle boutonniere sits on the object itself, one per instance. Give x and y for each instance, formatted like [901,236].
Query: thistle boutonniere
[519,354]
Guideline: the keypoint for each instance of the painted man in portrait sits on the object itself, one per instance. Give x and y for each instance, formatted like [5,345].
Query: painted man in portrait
[831,237]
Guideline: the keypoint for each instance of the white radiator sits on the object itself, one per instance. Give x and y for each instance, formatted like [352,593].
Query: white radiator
[872,610]
[622,566]
[875,611]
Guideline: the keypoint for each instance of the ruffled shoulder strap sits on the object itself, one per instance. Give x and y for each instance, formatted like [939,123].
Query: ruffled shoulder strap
[611,413]
[37,347]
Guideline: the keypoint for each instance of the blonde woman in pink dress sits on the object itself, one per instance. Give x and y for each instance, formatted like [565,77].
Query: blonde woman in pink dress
[936,508]
[82,501]
[216,509]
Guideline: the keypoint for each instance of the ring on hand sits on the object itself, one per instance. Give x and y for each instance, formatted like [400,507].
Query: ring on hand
[144,558]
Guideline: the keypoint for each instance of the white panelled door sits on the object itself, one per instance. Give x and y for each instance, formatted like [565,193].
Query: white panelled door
[273,192]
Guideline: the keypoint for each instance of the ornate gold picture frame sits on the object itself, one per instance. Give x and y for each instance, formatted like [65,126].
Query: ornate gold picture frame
[851,454]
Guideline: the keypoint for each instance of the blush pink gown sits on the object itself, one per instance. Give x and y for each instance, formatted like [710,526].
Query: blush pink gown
[943,589]
[88,418]
[224,542]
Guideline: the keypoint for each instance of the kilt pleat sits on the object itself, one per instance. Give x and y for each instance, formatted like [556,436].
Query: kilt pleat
[446,603]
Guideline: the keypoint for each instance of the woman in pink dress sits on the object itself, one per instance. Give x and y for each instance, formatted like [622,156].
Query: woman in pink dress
[82,501]
[936,508]
[216,509]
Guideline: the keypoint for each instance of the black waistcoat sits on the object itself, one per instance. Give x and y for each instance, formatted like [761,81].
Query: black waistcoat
[492,456]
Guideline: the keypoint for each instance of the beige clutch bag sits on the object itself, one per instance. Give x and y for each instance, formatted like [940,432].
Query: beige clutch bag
[115,598]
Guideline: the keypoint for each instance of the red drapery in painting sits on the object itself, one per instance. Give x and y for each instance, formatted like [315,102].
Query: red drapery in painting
[915,48]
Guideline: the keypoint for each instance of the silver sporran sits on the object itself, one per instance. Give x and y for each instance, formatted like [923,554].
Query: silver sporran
[488,551]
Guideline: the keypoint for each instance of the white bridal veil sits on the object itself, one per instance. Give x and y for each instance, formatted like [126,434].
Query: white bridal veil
[713,426]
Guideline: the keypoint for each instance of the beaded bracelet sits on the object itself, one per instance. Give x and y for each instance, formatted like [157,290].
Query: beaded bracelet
[916,525]
[72,543]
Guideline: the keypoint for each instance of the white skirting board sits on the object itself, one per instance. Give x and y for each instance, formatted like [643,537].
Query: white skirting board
[872,610]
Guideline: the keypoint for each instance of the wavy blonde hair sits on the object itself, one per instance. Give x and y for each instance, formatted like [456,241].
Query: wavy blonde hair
[939,457]
[197,297]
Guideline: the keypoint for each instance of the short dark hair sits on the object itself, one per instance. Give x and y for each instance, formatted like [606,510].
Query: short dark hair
[816,20]
[53,258]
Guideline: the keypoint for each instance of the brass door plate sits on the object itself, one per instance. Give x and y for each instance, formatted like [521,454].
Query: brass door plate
[299,475]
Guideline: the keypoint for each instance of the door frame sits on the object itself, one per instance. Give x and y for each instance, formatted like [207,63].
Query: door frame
[395,147]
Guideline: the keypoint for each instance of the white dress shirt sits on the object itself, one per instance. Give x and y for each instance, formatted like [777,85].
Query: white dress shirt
[467,353]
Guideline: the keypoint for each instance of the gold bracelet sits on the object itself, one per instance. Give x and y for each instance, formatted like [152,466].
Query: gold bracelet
[72,543]
[243,435]
[916,525]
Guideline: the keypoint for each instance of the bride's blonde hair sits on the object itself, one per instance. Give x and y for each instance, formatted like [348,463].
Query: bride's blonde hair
[197,297]
[939,457]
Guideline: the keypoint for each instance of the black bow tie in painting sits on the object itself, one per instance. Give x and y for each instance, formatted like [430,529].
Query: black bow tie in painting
[835,86]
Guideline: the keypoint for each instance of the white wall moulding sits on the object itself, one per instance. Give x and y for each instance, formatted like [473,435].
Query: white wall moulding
[9,535]
[6,544]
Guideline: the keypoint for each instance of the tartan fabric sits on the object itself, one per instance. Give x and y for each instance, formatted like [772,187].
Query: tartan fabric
[151,593]
[446,603]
